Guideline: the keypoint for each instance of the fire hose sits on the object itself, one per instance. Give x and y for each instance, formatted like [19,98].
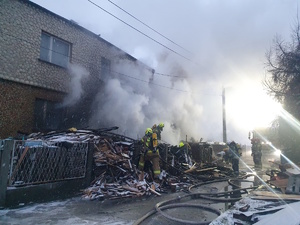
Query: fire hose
[159,207]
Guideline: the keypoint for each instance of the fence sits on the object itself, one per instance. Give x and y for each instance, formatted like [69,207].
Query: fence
[35,162]
[36,170]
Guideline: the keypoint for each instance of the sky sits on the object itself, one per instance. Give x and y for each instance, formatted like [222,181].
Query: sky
[217,44]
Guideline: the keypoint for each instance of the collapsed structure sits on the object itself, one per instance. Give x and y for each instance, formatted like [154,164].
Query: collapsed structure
[114,168]
[63,156]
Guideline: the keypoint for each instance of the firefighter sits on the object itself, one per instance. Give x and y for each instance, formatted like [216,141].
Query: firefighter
[185,146]
[183,153]
[150,153]
[234,154]
[256,152]
[158,129]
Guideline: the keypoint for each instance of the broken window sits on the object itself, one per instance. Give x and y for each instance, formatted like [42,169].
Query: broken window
[54,50]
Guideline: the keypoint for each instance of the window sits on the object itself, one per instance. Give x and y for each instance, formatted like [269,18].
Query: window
[54,50]
[105,68]
[47,115]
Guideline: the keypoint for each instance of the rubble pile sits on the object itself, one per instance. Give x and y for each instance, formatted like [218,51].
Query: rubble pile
[115,160]
[116,175]
[195,167]
[286,178]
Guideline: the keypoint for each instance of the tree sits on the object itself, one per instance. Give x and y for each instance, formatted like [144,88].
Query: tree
[283,83]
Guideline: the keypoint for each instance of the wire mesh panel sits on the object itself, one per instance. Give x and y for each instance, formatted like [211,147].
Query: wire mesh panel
[35,162]
[1,145]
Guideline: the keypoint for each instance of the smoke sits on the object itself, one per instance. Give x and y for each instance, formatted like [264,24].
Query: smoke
[77,74]
[134,99]
[119,105]
[228,39]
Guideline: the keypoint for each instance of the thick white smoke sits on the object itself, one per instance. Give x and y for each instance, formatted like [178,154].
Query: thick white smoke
[134,98]
[77,76]
[229,40]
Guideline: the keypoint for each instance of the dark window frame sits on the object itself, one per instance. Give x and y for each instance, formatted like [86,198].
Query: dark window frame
[47,115]
[55,50]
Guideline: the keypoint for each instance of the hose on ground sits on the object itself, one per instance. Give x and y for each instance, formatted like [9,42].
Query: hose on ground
[159,207]
[160,210]
[171,203]
[200,206]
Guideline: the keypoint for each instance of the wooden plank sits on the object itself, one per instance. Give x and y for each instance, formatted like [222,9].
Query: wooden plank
[154,192]
[206,169]
[272,195]
[267,198]
[279,183]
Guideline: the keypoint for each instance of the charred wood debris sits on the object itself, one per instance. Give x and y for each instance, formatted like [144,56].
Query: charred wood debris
[115,159]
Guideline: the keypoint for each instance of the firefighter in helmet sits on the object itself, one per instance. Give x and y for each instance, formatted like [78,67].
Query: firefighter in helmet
[150,153]
[158,129]
[234,154]
[256,152]
[183,153]
[256,148]
[181,144]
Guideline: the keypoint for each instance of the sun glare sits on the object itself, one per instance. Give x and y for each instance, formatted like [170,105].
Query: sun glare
[251,108]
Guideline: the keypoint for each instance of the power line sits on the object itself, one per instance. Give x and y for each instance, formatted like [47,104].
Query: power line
[149,26]
[78,59]
[149,82]
[168,75]
[140,31]
[122,74]
[159,85]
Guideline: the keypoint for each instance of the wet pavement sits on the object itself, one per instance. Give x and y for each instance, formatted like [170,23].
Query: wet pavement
[80,211]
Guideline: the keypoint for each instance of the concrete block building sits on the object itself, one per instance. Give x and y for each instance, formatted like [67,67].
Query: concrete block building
[37,49]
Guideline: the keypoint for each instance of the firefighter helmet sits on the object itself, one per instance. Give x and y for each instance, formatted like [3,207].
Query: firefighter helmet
[148,131]
[181,144]
[161,125]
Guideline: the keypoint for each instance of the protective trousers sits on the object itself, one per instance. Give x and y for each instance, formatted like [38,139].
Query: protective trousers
[235,165]
[152,157]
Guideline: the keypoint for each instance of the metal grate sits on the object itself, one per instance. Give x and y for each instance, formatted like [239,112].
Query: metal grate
[35,162]
[1,145]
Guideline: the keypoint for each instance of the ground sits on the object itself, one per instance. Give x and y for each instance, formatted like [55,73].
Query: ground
[79,211]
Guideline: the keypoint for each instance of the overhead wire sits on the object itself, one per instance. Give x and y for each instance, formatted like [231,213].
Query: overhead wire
[163,86]
[177,53]
[118,73]
[148,26]
[168,75]
[78,59]
[149,82]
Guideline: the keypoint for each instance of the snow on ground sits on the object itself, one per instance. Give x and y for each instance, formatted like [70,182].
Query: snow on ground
[226,218]
[59,213]
[288,214]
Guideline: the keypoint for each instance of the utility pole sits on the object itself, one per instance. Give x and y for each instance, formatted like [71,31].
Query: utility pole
[224,116]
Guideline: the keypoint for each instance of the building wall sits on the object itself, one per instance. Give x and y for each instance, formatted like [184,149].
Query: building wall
[17,106]
[21,26]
